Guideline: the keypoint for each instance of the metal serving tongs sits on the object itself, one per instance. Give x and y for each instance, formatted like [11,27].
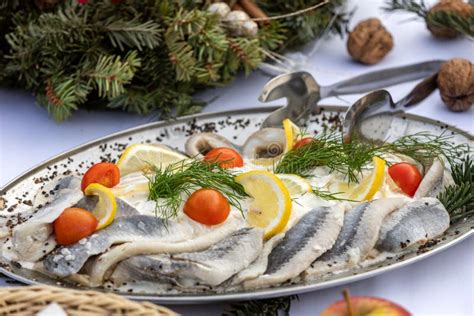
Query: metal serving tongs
[303,92]
[378,103]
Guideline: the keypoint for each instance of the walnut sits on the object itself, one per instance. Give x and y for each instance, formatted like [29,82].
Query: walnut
[369,42]
[457,7]
[456,84]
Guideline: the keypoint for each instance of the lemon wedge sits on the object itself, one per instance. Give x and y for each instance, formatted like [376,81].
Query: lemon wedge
[270,207]
[106,209]
[371,184]
[295,184]
[292,133]
[139,157]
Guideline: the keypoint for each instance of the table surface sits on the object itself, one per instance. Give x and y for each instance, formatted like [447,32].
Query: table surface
[439,285]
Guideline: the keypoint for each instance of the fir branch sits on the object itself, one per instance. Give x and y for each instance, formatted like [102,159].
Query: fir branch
[459,197]
[133,33]
[417,7]
[182,58]
[111,73]
[445,19]
[265,307]
[463,25]
[61,98]
[170,186]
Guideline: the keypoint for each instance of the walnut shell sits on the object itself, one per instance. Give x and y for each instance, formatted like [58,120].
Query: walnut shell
[456,84]
[457,7]
[369,42]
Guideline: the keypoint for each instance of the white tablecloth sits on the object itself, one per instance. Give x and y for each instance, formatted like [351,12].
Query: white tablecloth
[439,285]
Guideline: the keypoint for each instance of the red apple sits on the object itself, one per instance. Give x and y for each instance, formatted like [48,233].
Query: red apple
[366,306]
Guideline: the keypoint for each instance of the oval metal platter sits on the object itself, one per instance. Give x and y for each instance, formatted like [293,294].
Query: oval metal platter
[237,126]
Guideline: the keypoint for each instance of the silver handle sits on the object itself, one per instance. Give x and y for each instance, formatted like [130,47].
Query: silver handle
[381,79]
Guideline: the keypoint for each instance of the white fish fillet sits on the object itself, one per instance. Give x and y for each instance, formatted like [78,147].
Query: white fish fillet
[358,236]
[189,270]
[121,252]
[414,224]
[309,238]
[30,237]
[259,266]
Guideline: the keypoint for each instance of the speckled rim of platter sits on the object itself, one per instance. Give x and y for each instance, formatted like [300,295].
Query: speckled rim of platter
[455,234]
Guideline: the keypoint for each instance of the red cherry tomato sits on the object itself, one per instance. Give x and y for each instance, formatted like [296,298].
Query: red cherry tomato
[303,142]
[227,157]
[406,176]
[207,206]
[105,173]
[74,224]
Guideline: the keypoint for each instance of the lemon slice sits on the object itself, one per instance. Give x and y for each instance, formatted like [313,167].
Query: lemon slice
[140,157]
[270,207]
[292,133]
[106,208]
[371,184]
[295,184]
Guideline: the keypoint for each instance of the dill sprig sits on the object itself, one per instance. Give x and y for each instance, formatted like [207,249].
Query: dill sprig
[326,150]
[170,186]
[458,198]
[424,146]
[265,307]
[351,159]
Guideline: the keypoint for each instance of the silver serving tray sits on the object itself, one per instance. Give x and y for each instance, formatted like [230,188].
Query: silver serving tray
[237,126]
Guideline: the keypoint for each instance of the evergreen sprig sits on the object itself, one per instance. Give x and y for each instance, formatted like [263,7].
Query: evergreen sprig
[138,56]
[445,19]
[265,307]
[463,25]
[111,74]
[458,198]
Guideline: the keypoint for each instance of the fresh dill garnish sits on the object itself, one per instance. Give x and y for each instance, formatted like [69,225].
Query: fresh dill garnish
[350,159]
[326,195]
[265,307]
[424,146]
[327,150]
[170,186]
[458,198]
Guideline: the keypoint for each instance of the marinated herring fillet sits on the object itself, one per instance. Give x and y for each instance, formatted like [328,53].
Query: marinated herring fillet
[413,224]
[208,267]
[309,238]
[106,261]
[68,260]
[30,237]
[432,182]
[357,237]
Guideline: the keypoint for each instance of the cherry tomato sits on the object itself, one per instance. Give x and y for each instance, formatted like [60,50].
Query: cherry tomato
[227,157]
[406,176]
[303,142]
[74,224]
[207,206]
[105,173]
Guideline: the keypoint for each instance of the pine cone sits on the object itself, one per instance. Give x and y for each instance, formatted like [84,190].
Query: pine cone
[457,7]
[456,84]
[369,42]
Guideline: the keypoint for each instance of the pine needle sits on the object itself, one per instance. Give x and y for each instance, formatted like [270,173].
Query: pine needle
[459,197]
[266,307]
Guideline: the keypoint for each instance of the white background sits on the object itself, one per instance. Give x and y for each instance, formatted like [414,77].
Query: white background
[439,285]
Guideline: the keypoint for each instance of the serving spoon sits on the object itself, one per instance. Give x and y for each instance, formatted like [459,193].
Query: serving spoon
[303,92]
[381,102]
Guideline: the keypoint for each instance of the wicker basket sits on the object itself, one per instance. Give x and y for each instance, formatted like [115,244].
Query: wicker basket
[29,300]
